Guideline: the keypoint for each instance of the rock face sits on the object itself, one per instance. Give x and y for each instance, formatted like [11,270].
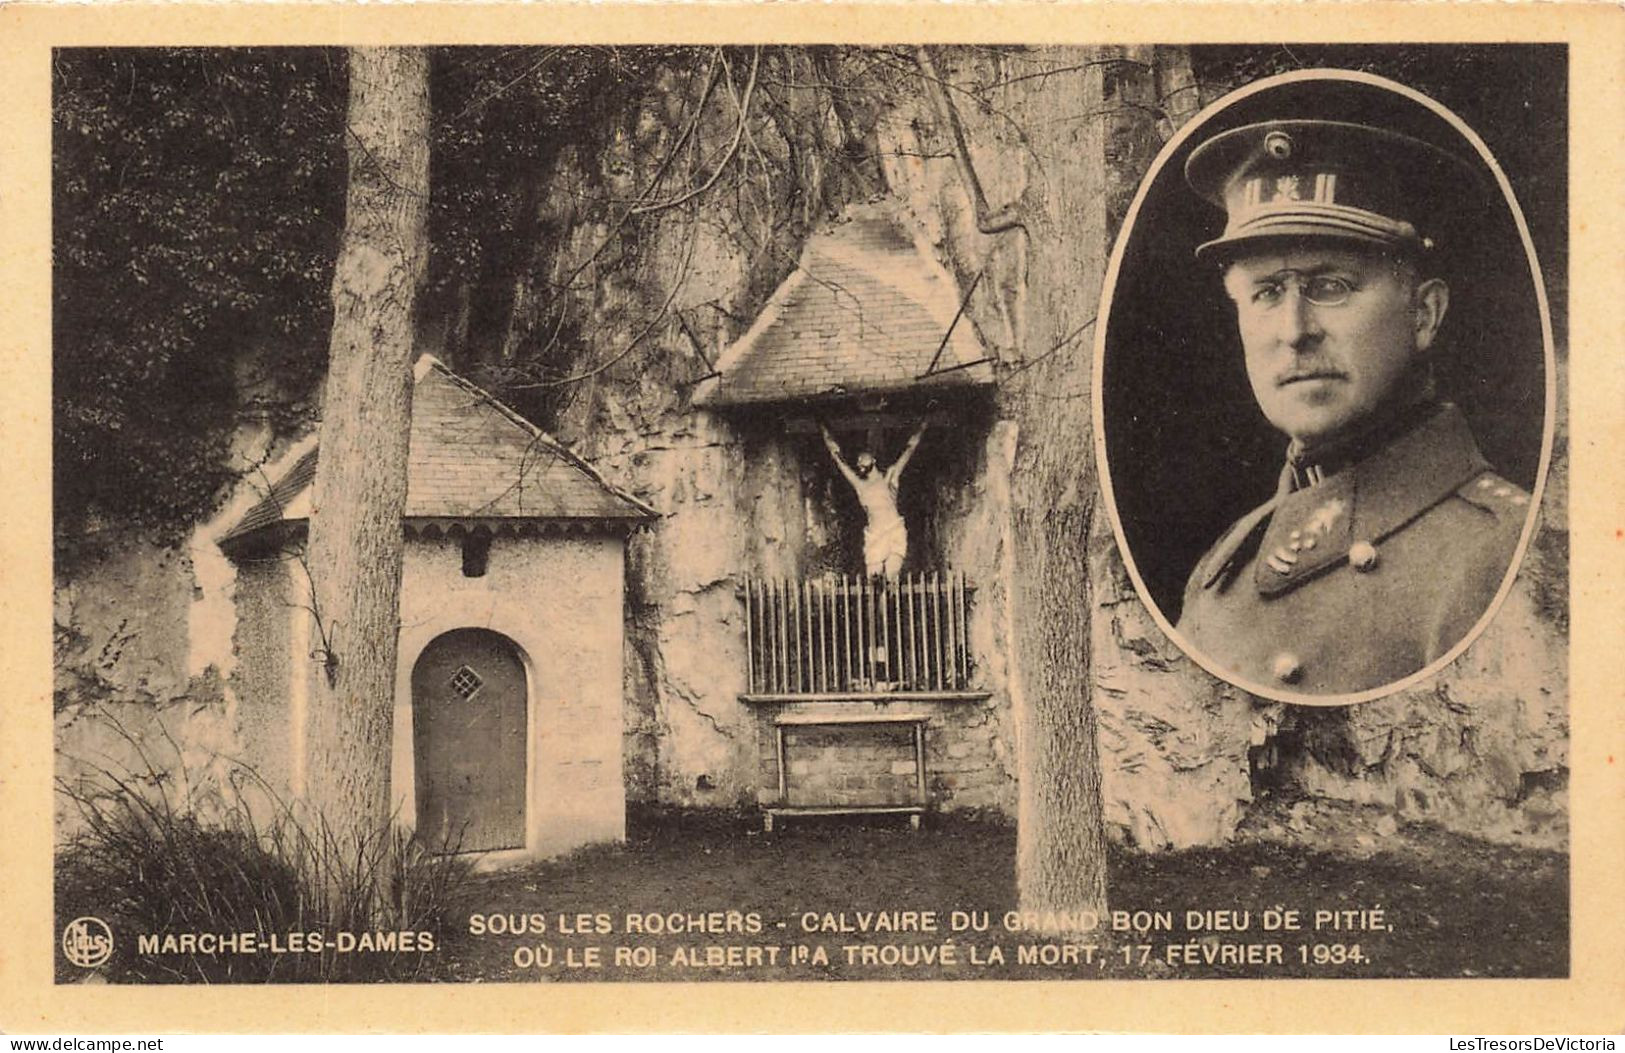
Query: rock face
[1482,748]
[1173,742]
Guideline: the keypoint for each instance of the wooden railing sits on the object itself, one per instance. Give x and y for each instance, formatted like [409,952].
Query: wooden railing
[840,635]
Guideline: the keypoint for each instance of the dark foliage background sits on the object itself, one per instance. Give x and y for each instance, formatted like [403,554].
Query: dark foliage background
[197,202]
[198,198]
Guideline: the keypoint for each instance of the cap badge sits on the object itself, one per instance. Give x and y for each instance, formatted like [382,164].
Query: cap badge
[1278,145]
[1289,188]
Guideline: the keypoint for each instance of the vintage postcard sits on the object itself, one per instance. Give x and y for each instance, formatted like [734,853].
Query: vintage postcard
[775,518]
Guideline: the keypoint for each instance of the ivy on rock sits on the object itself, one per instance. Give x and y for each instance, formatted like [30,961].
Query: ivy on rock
[197,199]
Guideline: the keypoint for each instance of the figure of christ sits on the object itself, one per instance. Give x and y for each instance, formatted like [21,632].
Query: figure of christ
[885,537]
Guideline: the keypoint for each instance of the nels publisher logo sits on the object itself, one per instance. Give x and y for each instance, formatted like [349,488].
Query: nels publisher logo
[87,942]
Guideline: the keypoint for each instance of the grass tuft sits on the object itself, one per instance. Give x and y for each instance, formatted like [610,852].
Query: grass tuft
[145,863]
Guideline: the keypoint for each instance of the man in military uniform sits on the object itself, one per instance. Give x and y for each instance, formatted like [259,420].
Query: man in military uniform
[1389,536]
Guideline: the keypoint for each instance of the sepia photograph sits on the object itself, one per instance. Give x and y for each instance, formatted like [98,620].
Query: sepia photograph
[1389,533]
[632,515]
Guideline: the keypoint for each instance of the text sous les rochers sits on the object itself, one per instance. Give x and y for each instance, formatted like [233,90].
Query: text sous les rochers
[724,922]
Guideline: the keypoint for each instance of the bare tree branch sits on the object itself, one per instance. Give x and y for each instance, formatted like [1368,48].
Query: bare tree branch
[654,180]
[728,156]
[623,352]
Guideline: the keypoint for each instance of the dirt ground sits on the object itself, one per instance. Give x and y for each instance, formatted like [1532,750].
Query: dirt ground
[871,900]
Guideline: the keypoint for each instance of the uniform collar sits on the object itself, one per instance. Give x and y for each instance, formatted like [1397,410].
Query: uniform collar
[1314,528]
[1310,464]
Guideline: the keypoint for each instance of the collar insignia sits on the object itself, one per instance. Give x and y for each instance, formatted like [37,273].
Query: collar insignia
[1324,518]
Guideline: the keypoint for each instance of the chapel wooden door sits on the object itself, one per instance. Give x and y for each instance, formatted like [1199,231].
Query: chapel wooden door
[469,734]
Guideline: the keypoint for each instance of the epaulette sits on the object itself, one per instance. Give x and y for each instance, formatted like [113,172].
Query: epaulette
[1495,495]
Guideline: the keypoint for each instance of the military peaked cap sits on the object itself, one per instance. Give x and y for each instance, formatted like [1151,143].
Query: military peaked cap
[1324,179]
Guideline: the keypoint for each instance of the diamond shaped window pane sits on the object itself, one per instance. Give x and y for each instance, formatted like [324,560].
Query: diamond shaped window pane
[466,682]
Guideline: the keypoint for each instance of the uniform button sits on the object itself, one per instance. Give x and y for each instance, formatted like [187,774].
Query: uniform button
[1286,667]
[1503,491]
[1362,555]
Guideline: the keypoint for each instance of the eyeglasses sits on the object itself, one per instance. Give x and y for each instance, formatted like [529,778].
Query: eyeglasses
[1322,290]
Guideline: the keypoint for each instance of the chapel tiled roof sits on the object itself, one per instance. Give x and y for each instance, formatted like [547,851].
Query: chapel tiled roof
[470,457]
[272,508]
[864,312]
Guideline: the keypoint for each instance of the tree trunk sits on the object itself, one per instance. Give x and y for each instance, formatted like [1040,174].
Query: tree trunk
[356,541]
[1060,839]
[1093,132]
[1089,133]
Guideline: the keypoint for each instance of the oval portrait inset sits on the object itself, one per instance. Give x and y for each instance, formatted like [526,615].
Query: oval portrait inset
[1325,387]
